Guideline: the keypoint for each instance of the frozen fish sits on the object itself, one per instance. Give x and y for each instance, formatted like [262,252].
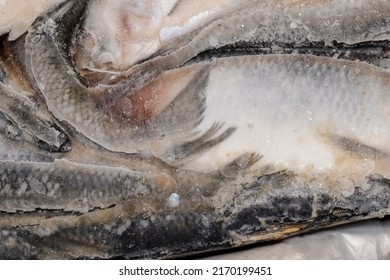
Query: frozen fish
[161,129]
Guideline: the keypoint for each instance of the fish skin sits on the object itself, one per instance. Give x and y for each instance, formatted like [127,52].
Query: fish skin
[2,74]
[274,23]
[271,207]
[42,185]
[93,216]
[23,112]
[69,100]
[305,97]
[275,26]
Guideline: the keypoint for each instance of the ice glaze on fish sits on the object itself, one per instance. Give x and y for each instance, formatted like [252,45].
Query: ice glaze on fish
[173,128]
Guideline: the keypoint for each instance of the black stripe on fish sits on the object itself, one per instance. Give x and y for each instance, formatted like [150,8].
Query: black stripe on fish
[371,52]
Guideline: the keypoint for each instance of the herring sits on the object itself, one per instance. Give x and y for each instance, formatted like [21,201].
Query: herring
[195,145]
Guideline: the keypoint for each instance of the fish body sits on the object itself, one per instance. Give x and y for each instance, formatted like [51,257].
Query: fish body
[195,144]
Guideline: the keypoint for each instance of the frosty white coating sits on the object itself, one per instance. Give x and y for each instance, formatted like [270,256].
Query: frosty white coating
[174,200]
[17,16]
[194,146]
[300,113]
[116,36]
[122,33]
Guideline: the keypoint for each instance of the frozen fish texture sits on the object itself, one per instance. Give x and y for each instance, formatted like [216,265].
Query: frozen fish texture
[159,129]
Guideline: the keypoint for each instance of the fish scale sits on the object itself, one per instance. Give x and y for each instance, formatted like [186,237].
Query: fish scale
[179,154]
[69,101]
[20,178]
